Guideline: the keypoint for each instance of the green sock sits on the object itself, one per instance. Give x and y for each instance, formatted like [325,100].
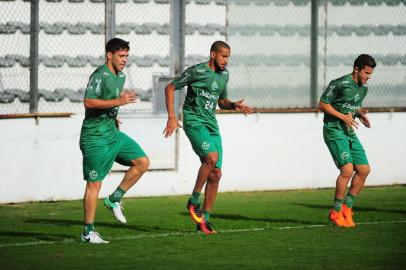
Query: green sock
[116,195]
[206,215]
[337,204]
[195,197]
[88,228]
[349,200]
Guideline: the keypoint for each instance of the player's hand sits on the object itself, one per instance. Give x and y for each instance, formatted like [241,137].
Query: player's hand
[127,97]
[242,107]
[171,125]
[364,119]
[350,121]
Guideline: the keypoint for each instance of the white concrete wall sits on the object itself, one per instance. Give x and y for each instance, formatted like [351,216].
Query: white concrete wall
[261,152]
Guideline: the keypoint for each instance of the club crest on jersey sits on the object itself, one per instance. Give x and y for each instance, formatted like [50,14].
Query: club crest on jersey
[356,97]
[205,145]
[345,155]
[214,86]
[93,175]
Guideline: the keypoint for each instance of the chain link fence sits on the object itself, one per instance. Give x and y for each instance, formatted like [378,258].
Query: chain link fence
[270,41]
[377,27]
[14,56]
[270,64]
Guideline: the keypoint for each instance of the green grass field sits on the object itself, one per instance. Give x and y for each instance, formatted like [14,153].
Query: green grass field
[257,230]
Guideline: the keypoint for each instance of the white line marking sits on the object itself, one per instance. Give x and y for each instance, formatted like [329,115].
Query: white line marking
[162,235]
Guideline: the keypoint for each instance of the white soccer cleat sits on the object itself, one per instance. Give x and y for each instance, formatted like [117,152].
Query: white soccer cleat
[93,238]
[116,207]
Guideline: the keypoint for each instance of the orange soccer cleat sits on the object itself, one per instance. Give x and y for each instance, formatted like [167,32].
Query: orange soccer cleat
[194,211]
[347,214]
[338,219]
[206,227]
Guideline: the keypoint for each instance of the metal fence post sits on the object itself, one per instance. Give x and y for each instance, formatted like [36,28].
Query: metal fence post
[314,52]
[110,24]
[34,30]
[177,32]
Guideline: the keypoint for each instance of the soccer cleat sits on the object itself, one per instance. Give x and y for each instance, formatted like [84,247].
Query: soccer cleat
[194,211]
[116,208]
[206,228]
[347,214]
[337,218]
[93,238]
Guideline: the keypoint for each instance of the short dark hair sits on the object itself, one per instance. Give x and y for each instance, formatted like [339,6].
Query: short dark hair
[217,45]
[117,44]
[364,60]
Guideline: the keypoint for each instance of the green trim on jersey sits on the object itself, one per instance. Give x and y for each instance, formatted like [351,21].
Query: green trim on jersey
[204,88]
[346,97]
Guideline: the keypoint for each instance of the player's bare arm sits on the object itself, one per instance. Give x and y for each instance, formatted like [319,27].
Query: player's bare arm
[346,118]
[125,97]
[172,123]
[240,106]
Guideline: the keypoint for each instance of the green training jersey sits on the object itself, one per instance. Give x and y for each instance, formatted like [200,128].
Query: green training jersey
[346,97]
[204,88]
[101,123]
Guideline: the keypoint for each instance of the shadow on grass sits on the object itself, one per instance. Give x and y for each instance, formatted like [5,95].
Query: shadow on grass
[269,220]
[66,222]
[356,208]
[36,235]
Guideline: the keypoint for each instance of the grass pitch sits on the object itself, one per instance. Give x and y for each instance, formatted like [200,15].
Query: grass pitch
[257,230]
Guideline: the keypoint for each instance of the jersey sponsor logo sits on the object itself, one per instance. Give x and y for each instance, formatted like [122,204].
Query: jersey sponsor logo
[205,145]
[93,175]
[345,82]
[345,155]
[106,74]
[207,95]
[350,106]
[200,70]
[214,86]
[121,75]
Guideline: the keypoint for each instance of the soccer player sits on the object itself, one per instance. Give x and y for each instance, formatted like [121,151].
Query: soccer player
[341,103]
[102,143]
[206,87]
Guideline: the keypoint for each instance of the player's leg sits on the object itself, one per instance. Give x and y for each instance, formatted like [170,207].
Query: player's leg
[95,169]
[207,167]
[204,147]
[130,154]
[340,151]
[193,203]
[211,188]
[89,206]
[362,170]
[210,194]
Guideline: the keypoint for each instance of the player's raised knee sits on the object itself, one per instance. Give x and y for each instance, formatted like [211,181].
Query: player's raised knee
[211,159]
[141,163]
